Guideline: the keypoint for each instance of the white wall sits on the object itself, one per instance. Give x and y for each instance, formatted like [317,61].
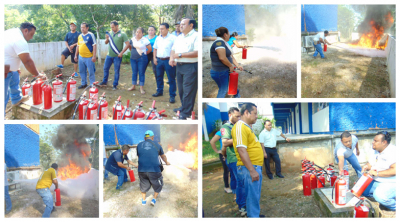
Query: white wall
[293,128]
[320,121]
[304,118]
[297,119]
[390,51]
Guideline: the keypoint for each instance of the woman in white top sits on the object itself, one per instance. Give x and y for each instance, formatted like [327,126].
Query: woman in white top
[140,47]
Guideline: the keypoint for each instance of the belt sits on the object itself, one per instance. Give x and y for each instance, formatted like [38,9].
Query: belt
[166,58]
[182,63]
[271,147]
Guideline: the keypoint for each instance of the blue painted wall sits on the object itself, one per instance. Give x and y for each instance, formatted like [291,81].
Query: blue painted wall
[21,146]
[129,133]
[319,18]
[211,115]
[361,116]
[231,17]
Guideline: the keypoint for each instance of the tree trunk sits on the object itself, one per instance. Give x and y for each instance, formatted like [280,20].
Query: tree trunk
[98,46]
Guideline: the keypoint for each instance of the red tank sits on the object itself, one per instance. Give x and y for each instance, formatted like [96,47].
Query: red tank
[48,104]
[233,83]
[306,184]
[325,47]
[138,113]
[132,176]
[94,92]
[57,89]
[58,197]
[103,108]
[361,185]
[117,109]
[37,92]
[128,114]
[26,87]
[91,109]
[347,178]
[333,179]
[313,179]
[71,89]
[321,181]
[340,192]
[244,53]
[83,106]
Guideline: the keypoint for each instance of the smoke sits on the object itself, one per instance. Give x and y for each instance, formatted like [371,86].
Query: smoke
[381,18]
[178,134]
[84,186]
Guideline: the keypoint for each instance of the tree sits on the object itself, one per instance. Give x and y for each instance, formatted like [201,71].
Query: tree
[346,21]
[47,155]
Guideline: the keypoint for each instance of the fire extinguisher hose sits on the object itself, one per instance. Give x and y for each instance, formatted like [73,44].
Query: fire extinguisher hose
[320,168]
[321,182]
[334,186]
[370,207]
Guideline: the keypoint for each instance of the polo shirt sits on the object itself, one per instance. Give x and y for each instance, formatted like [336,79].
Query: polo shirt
[319,35]
[72,38]
[14,45]
[216,63]
[46,179]
[151,40]
[164,45]
[113,159]
[186,43]
[243,136]
[148,153]
[176,34]
[341,150]
[86,43]
[269,138]
[226,132]
[382,161]
[230,42]
[142,44]
[118,38]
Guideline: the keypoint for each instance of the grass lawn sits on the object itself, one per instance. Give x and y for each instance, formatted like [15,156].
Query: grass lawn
[208,152]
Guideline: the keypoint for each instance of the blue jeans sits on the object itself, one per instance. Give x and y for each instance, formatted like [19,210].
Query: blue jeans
[384,193]
[47,199]
[222,80]
[318,49]
[233,171]
[107,65]
[105,171]
[250,190]
[12,88]
[8,199]
[86,64]
[162,65]
[354,162]
[139,65]
[122,177]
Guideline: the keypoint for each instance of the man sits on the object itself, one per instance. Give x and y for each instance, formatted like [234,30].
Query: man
[177,31]
[149,166]
[116,51]
[71,40]
[318,39]
[87,55]
[344,151]
[184,55]
[162,50]
[250,156]
[43,185]
[105,157]
[268,141]
[382,167]
[16,50]
[115,165]
[6,193]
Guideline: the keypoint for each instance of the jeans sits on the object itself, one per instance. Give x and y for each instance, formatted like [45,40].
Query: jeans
[105,171]
[86,64]
[47,199]
[153,66]
[139,65]
[250,191]
[354,162]
[233,172]
[318,49]
[7,199]
[162,65]
[272,153]
[12,88]
[122,177]
[222,80]
[117,65]
[226,171]
[384,193]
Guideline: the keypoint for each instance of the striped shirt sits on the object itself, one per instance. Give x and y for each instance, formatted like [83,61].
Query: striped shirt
[86,43]
[243,136]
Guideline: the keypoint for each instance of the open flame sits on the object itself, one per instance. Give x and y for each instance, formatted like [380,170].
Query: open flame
[189,147]
[73,170]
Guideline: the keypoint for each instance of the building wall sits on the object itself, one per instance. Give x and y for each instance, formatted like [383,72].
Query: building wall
[317,18]
[21,146]
[129,133]
[304,118]
[320,120]
[212,114]
[391,65]
[231,17]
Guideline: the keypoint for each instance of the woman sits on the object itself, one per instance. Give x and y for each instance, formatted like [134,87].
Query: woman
[222,62]
[152,38]
[233,42]
[213,142]
[140,47]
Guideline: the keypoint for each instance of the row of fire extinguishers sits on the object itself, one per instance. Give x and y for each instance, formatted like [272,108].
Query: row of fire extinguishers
[315,178]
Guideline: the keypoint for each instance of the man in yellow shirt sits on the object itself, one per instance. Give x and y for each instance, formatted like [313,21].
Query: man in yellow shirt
[250,157]
[43,185]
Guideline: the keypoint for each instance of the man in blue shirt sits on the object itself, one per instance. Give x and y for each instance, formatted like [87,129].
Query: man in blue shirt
[115,165]
[177,31]
[71,40]
[149,170]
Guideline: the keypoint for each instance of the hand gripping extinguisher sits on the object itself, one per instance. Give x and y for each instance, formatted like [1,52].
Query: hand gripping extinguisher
[131,175]
[91,110]
[138,113]
[47,95]
[340,189]
[37,92]
[82,106]
[58,197]
[306,184]
[128,114]
[102,112]
[71,88]
[57,89]
[117,109]
[233,83]
[244,53]
[325,47]
[361,185]
[94,91]
[26,87]
[361,210]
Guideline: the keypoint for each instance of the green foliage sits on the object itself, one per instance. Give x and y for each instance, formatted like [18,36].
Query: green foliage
[47,155]
[208,152]
[346,21]
[126,58]
[94,156]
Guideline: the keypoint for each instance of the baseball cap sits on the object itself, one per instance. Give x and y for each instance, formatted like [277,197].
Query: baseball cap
[148,133]
[73,23]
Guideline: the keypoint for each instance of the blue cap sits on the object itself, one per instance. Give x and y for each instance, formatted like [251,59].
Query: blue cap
[148,133]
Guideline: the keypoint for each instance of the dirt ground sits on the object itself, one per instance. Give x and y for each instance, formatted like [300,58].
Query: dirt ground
[178,200]
[28,203]
[343,74]
[125,82]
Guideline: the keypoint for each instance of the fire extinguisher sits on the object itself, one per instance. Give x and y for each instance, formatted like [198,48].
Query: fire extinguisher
[347,178]
[58,197]
[94,91]
[361,210]
[57,89]
[361,185]
[91,110]
[340,189]
[138,113]
[37,92]
[128,114]
[71,88]
[153,114]
[330,172]
[117,109]
[333,179]
[325,47]
[132,175]
[47,100]
[102,111]
[321,180]
[233,83]
[193,115]
[306,184]
[26,87]
[83,106]
[313,179]
[159,115]
[244,53]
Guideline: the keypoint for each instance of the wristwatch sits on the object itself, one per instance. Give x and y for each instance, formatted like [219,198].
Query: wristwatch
[180,55]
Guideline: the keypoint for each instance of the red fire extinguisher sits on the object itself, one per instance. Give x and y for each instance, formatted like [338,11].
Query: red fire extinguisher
[244,53]
[94,91]
[233,83]
[26,87]
[306,184]
[102,111]
[321,181]
[361,210]
[71,88]
[313,179]
[333,179]
[91,110]
[132,175]
[83,106]
[361,185]
[117,109]
[128,114]
[153,114]
[340,189]
[58,197]
[57,89]
[37,92]
[47,96]
[193,115]
[138,113]
[330,172]
[325,47]
[347,178]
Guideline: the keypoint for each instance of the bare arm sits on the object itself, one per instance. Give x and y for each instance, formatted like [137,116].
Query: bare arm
[341,164]
[66,43]
[244,156]
[29,64]
[287,139]
[127,44]
[386,173]
[94,53]
[148,48]
[122,165]
[236,64]
[164,158]
[213,141]
[238,45]
[366,167]
[132,163]
[55,181]
[222,57]
[227,142]
[358,150]
[193,54]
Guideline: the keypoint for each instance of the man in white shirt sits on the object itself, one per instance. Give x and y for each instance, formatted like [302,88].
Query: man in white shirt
[344,152]
[16,50]
[162,51]
[382,167]
[267,139]
[184,56]
[318,39]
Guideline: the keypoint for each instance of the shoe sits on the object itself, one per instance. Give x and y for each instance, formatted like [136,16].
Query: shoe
[153,202]
[227,190]
[243,212]
[143,202]
[54,209]
[157,94]
[178,109]
[7,212]
[60,66]
[172,100]
[76,74]
[82,86]
[270,177]
[261,216]
[114,88]
[103,84]
[23,99]
[280,175]
[182,118]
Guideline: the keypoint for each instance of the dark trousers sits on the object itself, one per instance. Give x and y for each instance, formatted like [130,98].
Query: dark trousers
[186,76]
[226,171]
[272,153]
[154,67]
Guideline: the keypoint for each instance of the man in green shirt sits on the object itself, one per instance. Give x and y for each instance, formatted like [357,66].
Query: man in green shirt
[116,50]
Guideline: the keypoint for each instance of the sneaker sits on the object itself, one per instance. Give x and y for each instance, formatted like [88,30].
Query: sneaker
[153,202]
[114,88]
[103,84]
[227,190]
[172,100]
[82,86]
[243,212]
[280,175]
[143,202]
[60,66]
[76,74]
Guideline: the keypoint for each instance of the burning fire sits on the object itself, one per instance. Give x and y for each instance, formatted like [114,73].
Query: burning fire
[73,170]
[190,147]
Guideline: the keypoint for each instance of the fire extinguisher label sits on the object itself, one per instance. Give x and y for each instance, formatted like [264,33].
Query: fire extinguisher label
[94,97]
[93,114]
[57,92]
[342,194]
[72,91]
[364,208]
[104,113]
[119,115]
[360,182]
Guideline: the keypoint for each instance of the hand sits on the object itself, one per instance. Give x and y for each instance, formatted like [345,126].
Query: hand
[373,173]
[70,50]
[223,158]
[265,155]
[254,176]
[155,61]
[42,76]
[120,55]
[72,47]
[341,172]
[172,63]
[168,163]
[358,152]
[231,69]
[19,71]
[364,168]
[240,68]
[287,139]
[93,59]
[107,37]
[76,58]
[176,55]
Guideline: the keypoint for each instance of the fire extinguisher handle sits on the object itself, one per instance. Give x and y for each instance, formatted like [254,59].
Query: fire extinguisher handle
[119,98]
[162,111]
[95,83]
[127,105]
[59,75]
[140,104]
[104,93]
[154,104]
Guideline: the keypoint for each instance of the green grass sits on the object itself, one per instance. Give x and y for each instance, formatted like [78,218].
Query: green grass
[208,152]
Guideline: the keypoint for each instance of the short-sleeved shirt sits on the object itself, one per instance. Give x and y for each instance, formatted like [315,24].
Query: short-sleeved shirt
[104,151]
[230,42]
[187,43]
[164,45]
[113,159]
[268,138]
[176,34]
[152,41]
[341,150]
[14,45]
[216,63]
[72,38]
[148,153]
[86,43]
[220,139]
[143,43]
[318,36]
[118,38]
[243,136]
[46,179]
[226,132]
[382,161]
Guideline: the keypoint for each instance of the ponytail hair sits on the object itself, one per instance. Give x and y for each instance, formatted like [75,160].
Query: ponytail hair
[234,34]
[221,31]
